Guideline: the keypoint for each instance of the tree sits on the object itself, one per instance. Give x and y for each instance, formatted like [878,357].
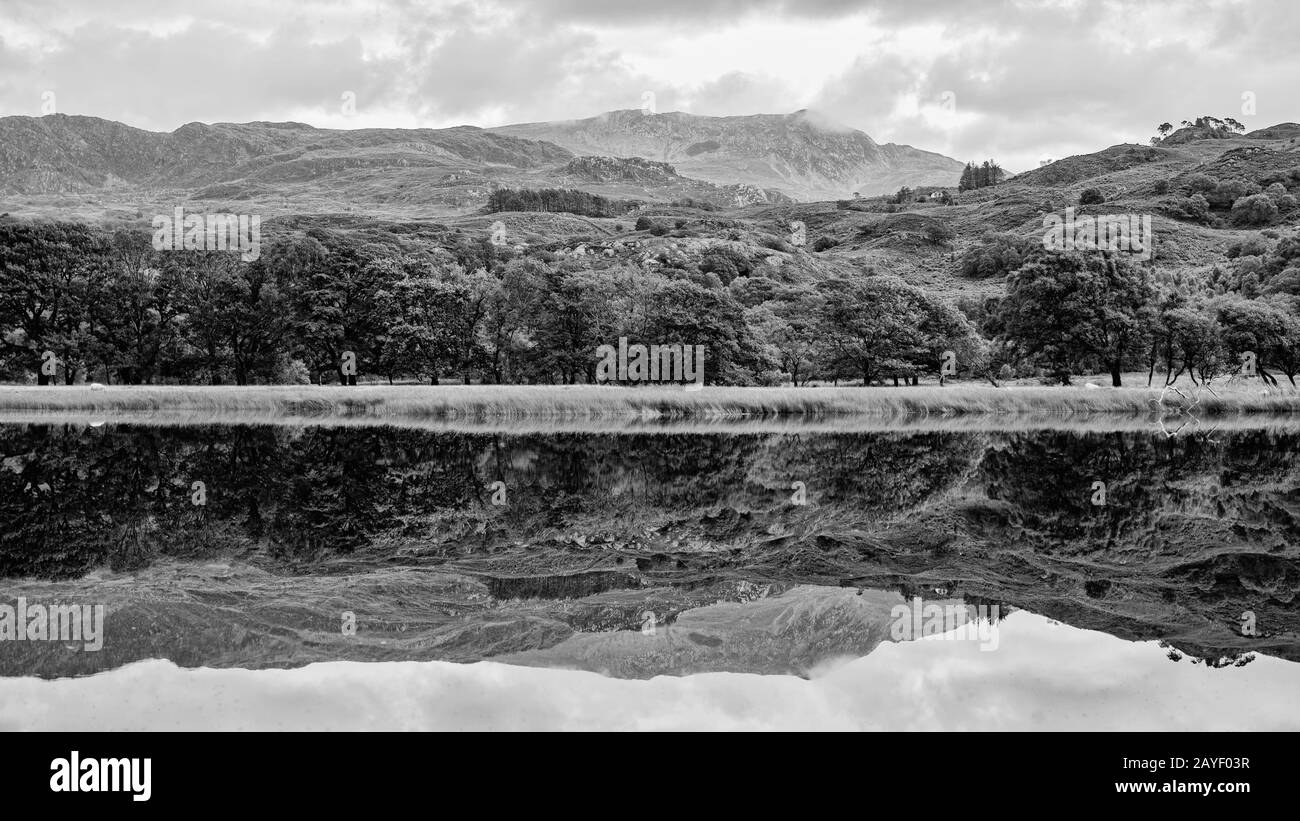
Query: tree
[1266,331]
[143,309]
[574,320]
[1067,310]
[427,315]
[1164,128]
[682,312]
[53,275]
[336,302]
[882,327]
[788,327]
[1187,340]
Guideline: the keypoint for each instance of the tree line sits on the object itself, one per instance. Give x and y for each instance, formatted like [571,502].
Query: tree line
[982,175]
[430,305]
[565,200]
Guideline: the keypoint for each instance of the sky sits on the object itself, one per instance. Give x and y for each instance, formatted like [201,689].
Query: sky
[1020,81]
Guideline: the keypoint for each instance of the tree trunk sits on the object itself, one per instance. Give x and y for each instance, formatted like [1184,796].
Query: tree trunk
[1114,375]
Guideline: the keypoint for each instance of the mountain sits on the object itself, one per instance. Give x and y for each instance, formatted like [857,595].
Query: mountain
[449,168]
[799,154]
[64,154]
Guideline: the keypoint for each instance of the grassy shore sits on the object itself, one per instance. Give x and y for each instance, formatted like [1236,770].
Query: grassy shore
[498,403]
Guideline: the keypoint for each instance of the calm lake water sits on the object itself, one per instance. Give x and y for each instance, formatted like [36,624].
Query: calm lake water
[1085,562]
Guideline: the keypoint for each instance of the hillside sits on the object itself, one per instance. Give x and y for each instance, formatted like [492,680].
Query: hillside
[376,180]
[798,153]
[62,162]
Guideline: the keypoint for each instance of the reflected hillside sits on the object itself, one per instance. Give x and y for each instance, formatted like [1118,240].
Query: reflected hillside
[552,548]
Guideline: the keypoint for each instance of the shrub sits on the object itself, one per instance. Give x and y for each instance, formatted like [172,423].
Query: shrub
[1276,190]
[1256,209]
[728,263]
[1091,196]
[997,255]
[1250,247]
[1201,184]
[658,230]
[644,223]
[1196,207]
[824,244]
[292,372]
[939,233]
[1162,187]
[1229,191]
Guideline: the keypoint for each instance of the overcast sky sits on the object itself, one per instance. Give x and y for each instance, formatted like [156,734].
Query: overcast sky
[1017,80]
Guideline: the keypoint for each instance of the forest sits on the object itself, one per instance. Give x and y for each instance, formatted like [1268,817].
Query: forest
[414,303]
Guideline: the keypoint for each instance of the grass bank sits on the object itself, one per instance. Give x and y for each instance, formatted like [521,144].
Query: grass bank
[501,403]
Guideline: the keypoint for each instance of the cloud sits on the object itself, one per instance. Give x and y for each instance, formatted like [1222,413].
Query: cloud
[1029,78]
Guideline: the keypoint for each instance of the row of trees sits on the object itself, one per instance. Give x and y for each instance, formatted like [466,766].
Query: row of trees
[1080,313]
[566,200]
[1224,127]
[108,307]
[980,176]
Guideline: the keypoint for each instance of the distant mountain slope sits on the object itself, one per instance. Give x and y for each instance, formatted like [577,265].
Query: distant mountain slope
[633,177]
[450,168]
[797,153]
[61,153]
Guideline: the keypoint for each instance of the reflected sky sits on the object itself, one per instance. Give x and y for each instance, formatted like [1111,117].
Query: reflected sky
[1043,676]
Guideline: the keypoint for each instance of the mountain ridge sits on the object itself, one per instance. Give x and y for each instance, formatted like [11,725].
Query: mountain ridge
[748,158]
[801,154]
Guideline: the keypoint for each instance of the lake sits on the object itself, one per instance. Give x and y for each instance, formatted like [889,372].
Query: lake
[938,579]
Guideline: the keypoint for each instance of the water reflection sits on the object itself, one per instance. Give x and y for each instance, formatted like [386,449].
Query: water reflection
[714,539]
[1044,676]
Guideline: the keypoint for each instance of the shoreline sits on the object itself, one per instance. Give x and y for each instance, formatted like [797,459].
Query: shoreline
[596,407]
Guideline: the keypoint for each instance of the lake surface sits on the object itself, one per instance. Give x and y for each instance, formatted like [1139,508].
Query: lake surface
[1077,560]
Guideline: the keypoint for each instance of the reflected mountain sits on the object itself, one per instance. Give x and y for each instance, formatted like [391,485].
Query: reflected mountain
[244,546]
